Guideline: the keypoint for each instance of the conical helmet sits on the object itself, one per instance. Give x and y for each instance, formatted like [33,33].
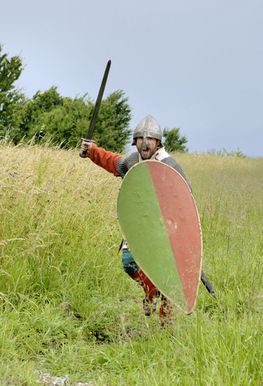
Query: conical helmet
[148,127]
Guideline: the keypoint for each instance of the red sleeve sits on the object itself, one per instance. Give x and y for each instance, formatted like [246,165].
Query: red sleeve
[106,159]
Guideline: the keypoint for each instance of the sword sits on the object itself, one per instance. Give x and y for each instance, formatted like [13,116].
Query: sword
[208,285]
[92,124]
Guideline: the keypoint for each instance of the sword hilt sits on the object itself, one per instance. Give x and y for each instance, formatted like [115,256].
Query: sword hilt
[83,153]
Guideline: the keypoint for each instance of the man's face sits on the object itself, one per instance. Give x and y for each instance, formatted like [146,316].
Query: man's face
[147,146]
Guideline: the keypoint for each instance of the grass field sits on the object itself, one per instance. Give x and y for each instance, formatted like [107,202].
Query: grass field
[68,309]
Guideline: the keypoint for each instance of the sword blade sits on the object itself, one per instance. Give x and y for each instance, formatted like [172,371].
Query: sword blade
[98,102]
[83,153]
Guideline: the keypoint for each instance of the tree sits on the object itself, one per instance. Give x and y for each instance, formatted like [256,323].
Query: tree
[36,110]
[64,124]
[49,116]
[174,141]
[112,129]
[64,121]
[11,100]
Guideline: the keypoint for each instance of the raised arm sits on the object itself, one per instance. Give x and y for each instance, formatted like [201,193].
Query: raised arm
[101,157]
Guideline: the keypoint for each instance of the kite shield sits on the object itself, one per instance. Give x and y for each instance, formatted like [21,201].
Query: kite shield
[159,219]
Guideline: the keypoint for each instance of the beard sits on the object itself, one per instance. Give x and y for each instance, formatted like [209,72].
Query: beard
[147,149]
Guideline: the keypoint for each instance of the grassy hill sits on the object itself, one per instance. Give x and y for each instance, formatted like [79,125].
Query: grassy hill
[66,306]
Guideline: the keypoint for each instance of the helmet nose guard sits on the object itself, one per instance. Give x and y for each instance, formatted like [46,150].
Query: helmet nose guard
[148,127]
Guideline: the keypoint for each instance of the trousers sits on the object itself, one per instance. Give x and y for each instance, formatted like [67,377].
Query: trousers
[151,292]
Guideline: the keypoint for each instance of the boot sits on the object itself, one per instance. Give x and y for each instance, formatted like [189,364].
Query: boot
[149,306]
[166,311]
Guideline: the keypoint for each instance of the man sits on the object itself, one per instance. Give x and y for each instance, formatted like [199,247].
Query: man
[147,138]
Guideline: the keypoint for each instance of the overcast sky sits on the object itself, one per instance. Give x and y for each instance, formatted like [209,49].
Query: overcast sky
[193,64]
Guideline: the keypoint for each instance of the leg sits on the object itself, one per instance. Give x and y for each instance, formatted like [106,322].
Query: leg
[149,288]
[133,270]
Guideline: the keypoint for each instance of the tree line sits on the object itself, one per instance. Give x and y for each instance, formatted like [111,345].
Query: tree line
[63,121]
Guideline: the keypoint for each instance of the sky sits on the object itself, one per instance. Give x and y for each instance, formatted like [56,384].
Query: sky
[192,64]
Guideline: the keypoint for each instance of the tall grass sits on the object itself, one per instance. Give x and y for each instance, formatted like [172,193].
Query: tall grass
[66,306]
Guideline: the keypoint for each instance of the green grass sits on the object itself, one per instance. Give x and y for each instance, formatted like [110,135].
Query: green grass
[66,306]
